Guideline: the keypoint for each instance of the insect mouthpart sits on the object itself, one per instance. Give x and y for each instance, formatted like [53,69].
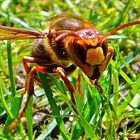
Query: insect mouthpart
[94,54]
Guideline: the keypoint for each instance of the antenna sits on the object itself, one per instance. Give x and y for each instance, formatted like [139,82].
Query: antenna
[119,28]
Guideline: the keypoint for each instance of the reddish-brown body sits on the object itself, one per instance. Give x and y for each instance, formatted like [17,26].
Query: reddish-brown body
[67,43]
[64,46]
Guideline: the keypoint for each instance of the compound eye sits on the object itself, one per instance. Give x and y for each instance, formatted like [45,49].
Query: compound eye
[105,47]
[80,52]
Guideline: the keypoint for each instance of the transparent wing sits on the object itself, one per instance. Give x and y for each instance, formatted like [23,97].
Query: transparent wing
[9,33]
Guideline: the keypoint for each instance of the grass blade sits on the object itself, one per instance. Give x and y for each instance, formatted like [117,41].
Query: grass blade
[30,119]
[11,76]
[128,99]
[54,107]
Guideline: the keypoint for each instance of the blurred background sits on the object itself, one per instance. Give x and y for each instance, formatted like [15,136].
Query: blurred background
[105,15]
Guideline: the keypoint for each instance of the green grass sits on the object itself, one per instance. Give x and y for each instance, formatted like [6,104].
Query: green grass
[112,114]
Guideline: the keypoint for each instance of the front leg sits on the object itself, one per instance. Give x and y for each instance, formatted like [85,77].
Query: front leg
[30,89]
[29,83]
[68,84]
